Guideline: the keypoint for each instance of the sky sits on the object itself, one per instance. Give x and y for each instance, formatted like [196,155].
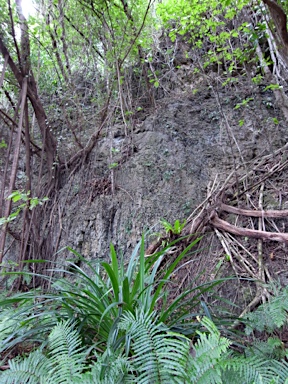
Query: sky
[28,8]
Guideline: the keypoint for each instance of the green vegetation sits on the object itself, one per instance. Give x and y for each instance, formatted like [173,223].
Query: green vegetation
[70,74]
[173,229]
[115,323]
[157,357]
[28,202]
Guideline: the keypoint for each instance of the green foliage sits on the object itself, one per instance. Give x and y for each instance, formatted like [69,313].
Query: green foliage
[113,165]
[272,348]
[158,356]
[66,354]
[96,297]
[214,363]
[275,120]
[173,229]
[30,370]
[244,103]
[255,370]
[8,325]
[28,201]
[205,24]
[61,364]
[151,354]
[112,367]
[210,354]
[257,79]
[272,87]
[62,360]
[241,123]
[269,316]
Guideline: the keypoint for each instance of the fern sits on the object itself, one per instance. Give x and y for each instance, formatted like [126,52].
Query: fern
[8,325]
[66,356]
[110,368]
[255,370]
[269,316]
[214,364]
[210,354]
[159,355]
[30,370]
[64,363]
[273,348]
[281,370]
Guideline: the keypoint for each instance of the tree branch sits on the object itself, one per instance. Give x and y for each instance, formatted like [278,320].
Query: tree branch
[280,19]
[224,226]
[251,213]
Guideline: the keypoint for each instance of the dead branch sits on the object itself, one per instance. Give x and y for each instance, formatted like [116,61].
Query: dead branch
[3,70]
[251,213]
[14,166]
[225,226]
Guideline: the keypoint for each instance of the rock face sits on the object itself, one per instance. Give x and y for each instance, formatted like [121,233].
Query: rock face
[162,168]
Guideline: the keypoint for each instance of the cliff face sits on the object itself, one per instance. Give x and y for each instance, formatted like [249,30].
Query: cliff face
[162,168]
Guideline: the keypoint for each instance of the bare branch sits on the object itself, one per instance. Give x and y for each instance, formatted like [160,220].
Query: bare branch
[251,213]
[224,226]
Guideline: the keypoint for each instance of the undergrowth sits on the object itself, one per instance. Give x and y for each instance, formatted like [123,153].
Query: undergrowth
[114,323]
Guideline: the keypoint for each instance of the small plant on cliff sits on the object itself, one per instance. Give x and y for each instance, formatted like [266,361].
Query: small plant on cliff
[173,229]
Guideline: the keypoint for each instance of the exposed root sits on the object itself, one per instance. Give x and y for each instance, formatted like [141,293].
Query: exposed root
[248,216]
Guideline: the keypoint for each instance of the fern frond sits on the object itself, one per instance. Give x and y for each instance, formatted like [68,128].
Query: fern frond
[280,369]
[210,353]
[160,357]
[64,363]
[269,316]
[110,368]
[8,325]
[66,356]
[252,370]
[29,370]
[273,348]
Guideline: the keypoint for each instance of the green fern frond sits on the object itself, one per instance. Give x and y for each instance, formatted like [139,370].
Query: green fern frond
[64,363]
[210,355]
[160,357]
[254,370]
[280,369]
[110,368]
[8,325]
[273,348]
[30,370]
[66,356]
[269,316]
[65,340]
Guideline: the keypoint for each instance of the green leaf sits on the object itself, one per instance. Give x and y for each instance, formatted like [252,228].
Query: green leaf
[3,144]
[272,86]
[113,279]
[142,266]
[241,123]
[170,270]
[114,262]
[113,165]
